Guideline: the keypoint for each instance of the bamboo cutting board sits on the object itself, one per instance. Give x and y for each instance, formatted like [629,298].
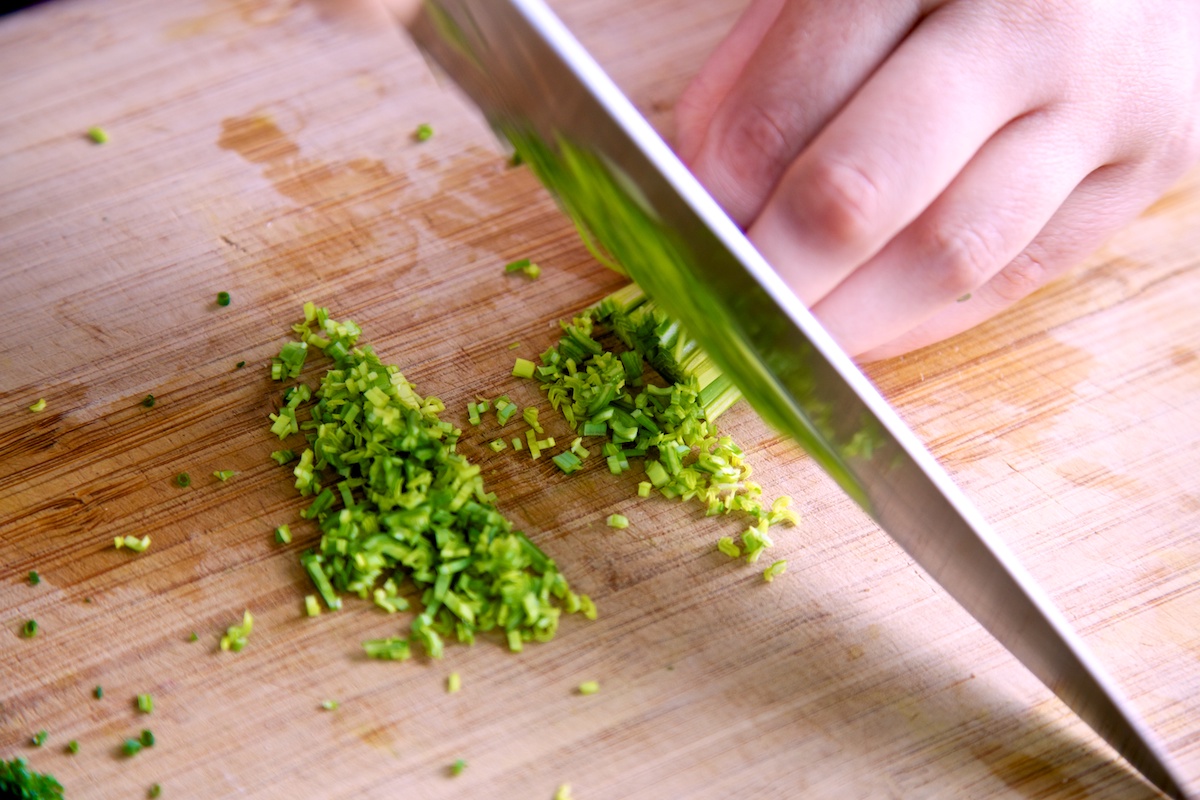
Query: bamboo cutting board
[264,148]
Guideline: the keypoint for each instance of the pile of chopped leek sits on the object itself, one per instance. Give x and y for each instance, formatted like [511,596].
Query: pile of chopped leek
[396,503]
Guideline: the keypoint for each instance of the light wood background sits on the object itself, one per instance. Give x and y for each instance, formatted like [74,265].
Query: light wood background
[262,147]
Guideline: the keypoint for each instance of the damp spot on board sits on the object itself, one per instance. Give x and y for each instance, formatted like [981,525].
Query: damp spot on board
[226,16]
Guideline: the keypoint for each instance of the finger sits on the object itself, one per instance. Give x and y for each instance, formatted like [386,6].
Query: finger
[805,68]
[1102,204]
[695,107]
[889,154]
[991,212]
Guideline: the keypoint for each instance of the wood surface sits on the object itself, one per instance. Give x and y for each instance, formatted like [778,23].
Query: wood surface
[264,148]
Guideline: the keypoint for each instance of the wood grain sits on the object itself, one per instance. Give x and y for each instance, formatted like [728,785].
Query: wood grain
[263,147]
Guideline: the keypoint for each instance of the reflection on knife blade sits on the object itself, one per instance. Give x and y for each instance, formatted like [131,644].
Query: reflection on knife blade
[622,185]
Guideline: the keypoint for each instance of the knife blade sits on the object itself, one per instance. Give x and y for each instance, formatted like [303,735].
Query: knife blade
[622,185]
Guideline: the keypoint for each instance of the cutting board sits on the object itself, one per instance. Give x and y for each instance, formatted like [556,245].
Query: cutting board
[264,148]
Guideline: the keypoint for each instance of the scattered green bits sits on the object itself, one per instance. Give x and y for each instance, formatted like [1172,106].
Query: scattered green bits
[283,535]
[282,457]
[132,543]
[34,578]
[98,692]
[40,405]
[964,298]
[72,747]
[775,570]
[147,738]
[311,606]
[40,738]
[223,474]
[563,792]
[392,648]
[131,747]
[329,705]
[145,703]
[618,521]
[183,480]
[236,636]
[523,368]
[98,135]
[18,781]
[589,687]
[524,265]
[457,767]
[155,790]
[423,132]
[29,629]
[239,365]
[148,401]
[727,546]
[453,683]
[223,299]
[194,637]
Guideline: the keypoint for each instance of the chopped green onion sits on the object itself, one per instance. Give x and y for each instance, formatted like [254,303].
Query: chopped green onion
[72,747]
[239,365]
[224,474]
[311,606]
[523,368]
[390,649]
[183,480]
[497,445]
[517,443]
[514,345]
[29,629]
[282,457]
[727,546]
[283,534]
[423,132]
[237,636]
[154,791]
[567,461]
[40,405]
[194,637]
[98,692]
[148,401]
[40,738]
[34,578]
[644,488]
[223,298]
[145,703]
[775,570]
[132,543]
[147,738]
[619,521]
[457,767]
[329,705]
[563,792]
[518,265]
[453,683]
[97,135]
[131,747]
[589,687]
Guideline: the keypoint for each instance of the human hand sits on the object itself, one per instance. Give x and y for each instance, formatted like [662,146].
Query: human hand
[889,157]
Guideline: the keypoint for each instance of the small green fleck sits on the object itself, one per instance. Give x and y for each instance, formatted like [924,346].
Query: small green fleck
[453,683]
[283,535]
[131,747]
[497,445]
[775,570]
[239,365]
[618,521]
[154,791]
[457,767]
[194,637]
[514,345]
[145,703]
[423,132]
[183,480]
[148,401]
[237,636]
[329,705]
[40,405]
[589,687]
[98,692]
[518,265]
[72,747]
[563,792]
[282,457]
[964,298]
[40,738]
[223,298]
[223,474]
[34,578]
[147,738]
[727,546]
[29,629]
[97,135]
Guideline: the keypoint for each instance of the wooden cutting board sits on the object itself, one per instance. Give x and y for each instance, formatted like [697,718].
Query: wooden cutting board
[264,148]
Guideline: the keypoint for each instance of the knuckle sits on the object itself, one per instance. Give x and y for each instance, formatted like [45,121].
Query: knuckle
[841,200]
[964,256]
[1020,277]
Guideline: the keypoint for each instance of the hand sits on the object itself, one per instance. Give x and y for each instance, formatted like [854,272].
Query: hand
[891,157]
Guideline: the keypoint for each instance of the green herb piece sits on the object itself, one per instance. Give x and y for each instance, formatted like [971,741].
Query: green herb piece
[132,543]
[194,637]
[457,767]
[644,488]
[775,570]
[148,401]
[453,683]
[283,534]
[29,629]
[964,298]
[567,461]
[523,368]
[517,443]
[223,298]
[329,705]
[183,480]
[72,747]
[131,747]
[282,457]
[530,415]
[239,365]
[147,738]
[589,687]
[40,405]
[514,345]
[98,135]
[727,546]
[40,738]
[19,782]
[497,445]
[390,649]
[236,636]
[518,265]
[473,413]
[145,703]
[290,360]
[563,792]
[98,692]
[34,578]
[155,790]
[311,606]
[619,521]
[423,132]
[223,474]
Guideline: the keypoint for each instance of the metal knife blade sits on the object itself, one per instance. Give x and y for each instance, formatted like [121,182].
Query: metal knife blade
[614,175]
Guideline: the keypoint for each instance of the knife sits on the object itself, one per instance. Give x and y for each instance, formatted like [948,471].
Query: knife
[628,193]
